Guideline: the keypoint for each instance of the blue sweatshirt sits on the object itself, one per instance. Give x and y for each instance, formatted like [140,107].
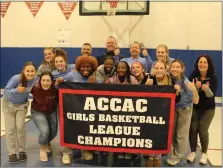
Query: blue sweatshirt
[186,94]
[146,61]
[11,92]
[56,74]
[77,77]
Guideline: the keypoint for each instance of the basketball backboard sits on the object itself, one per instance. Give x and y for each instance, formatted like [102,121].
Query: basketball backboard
[88,8]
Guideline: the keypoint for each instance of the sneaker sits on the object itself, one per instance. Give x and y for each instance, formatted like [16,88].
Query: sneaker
[173,162]
[204,158]
[43,155]
[48,148]
[22,156]
[13,159]
[121,156]
[128,156]
[88,155]
[66,159]
[149,162]
[191,157]
[157,162]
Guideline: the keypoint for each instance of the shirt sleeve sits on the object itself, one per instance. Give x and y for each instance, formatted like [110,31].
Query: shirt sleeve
[149,63]
[39,71]
[11,86]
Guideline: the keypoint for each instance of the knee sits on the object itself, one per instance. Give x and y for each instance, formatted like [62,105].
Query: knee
[203,133]
[20,127]
[44,132]
[193,126]
[44,137]
[11,131]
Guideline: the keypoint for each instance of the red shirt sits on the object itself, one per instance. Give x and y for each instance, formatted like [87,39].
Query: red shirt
[44,100]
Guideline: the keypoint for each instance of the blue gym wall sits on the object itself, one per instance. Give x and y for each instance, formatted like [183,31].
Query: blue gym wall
[12,60]
[187,28]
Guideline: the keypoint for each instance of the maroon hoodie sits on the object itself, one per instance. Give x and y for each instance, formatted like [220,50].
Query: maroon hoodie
[45,101]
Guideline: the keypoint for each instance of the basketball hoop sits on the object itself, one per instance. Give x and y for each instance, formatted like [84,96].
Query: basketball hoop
[112,9]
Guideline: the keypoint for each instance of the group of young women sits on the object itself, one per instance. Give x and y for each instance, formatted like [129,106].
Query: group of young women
[194,110]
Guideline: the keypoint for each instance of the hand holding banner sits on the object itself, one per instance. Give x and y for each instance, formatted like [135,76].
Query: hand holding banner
[117,118]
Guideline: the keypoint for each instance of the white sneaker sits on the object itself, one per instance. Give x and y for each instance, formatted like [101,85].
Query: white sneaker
[204,158]
[173,162]
[191,157]
[66,159]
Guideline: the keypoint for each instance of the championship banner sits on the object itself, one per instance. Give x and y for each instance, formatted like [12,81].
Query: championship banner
[117,118]
[67,8]
[34,7]
[4,8]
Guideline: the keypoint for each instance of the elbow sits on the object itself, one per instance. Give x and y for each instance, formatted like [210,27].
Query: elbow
[196,101]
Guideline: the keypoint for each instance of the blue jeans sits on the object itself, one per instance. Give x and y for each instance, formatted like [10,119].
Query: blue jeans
[47,125]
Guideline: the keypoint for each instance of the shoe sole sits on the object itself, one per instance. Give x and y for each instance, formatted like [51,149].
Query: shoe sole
[191,161]
[44,160]
[23,160]
[203,163]
[173,164]
[66,163]
[14,162]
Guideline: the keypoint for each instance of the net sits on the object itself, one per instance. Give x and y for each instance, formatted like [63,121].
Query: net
[112,9]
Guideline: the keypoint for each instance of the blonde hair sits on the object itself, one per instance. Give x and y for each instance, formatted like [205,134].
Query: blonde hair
[48,48]
[167,78]
[167,51]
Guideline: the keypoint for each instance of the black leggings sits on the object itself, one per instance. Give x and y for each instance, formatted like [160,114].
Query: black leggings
[200,122]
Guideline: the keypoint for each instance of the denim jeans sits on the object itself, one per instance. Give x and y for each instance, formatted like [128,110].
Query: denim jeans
[47,125]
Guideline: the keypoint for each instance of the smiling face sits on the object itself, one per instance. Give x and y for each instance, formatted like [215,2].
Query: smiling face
[29,71]
[111,44]
[86,50]
[86,69]
[49,55]
[60,63]
[108,65]
[161,54]
[203,64]
[135,50]
[46,82]
[176,69]
[137,69]
[159,69]
[121,69]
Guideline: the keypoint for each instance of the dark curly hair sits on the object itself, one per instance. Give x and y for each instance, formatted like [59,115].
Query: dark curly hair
[211,69]
[86,59]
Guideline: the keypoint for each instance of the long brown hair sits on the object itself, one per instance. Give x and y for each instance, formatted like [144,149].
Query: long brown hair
[23,79]
[183,86]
